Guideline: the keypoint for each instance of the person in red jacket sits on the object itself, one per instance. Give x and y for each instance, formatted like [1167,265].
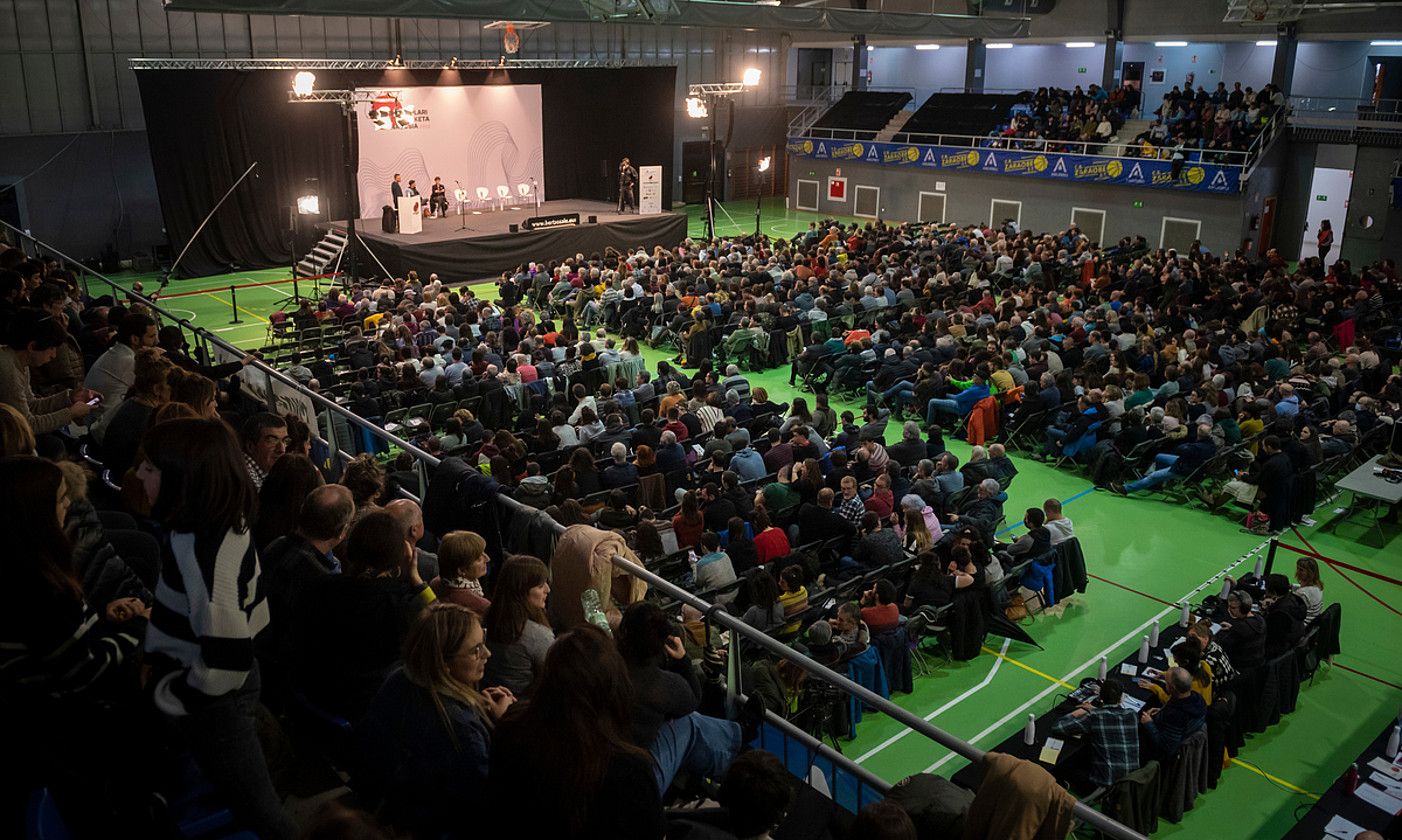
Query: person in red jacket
[770,542]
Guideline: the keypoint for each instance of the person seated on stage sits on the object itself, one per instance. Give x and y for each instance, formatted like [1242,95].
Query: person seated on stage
[1168,726]
[437,199]
[1111,729]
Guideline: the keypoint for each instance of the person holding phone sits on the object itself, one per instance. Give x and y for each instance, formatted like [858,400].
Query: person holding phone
[35,337]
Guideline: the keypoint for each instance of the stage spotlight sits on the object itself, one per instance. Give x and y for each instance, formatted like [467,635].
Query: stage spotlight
[309,205]
[304,83]
[453,65]
[696,107]
[764,164]
[751,77]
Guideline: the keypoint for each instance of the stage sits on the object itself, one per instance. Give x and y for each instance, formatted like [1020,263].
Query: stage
[487,247]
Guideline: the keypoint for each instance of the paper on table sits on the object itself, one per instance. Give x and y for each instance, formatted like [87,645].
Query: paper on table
[1129,669]
[1392,786]
[1342,828]
[1134,704]
[1051,751]
[1379,798]
[1387,768]
[1215,628]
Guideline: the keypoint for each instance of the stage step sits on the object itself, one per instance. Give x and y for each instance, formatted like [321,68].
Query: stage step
[322,257]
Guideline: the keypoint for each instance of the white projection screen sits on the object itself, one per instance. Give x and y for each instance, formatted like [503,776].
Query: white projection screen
[478,135]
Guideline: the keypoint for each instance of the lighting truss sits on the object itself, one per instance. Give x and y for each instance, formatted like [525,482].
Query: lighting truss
[716,89]
[379,64]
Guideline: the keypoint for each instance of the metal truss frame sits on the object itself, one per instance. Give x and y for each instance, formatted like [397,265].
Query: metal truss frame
[379,64]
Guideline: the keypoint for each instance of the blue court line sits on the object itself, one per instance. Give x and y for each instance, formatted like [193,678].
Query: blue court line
[1085,492]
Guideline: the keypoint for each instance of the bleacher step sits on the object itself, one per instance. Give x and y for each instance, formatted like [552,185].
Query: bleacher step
[322,255]
[897,122]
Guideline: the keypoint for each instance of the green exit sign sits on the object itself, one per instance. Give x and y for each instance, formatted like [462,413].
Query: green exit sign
[1138,204]
[1081,70]
[1321,198]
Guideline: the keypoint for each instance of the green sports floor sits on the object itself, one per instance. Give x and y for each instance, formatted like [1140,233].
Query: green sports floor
[1145,556]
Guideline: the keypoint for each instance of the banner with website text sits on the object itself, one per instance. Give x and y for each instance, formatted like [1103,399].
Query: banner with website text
[1135,172]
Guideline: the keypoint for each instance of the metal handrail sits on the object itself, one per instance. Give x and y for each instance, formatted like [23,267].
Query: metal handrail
[772,646]
[737,627]
[211,338]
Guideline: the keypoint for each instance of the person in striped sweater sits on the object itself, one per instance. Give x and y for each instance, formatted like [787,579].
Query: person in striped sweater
[209,607]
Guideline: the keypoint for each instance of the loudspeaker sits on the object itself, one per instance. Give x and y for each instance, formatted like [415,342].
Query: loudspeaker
[593,220]
[514,228]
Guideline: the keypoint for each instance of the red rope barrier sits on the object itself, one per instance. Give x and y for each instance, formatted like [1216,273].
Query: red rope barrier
[1368,676]
[244,286]
[1131,589]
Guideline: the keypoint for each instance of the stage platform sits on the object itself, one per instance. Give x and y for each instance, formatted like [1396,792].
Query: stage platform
[487,247]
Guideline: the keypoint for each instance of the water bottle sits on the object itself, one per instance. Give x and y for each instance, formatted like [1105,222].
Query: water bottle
[1104,670]
[1392,745]
[1186,616]
[1154,635]
[1351,779]
[594,610]
[1144,651]
[1029,732]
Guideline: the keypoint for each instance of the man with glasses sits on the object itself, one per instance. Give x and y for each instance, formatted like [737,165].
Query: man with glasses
[264,440]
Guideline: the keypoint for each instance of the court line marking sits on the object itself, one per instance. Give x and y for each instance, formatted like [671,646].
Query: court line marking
[1095,660]
[1024,666]
[941,710]
[1254,769]
[1082,494]
[240,308]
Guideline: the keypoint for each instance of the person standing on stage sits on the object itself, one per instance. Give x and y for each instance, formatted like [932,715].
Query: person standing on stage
[627,186]
[438,199]
[396,191]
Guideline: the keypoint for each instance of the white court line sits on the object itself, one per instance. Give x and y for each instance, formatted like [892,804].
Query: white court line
[1095,660]
[942,709]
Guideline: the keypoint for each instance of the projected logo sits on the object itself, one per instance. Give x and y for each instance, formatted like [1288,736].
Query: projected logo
[387,111]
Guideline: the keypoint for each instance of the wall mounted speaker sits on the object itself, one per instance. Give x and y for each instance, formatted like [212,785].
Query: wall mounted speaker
[514,228]
[593,220]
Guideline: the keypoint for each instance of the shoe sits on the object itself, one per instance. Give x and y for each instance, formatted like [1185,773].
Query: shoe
[1118,488]
[750,717]
[1308,521]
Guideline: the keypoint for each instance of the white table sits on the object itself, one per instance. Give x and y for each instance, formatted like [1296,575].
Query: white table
[1379,493]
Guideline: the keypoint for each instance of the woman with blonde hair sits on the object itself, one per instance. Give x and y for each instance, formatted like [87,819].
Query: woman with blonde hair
[1309,587]
[916,534]
[462,563]
[423,745]
[16,438]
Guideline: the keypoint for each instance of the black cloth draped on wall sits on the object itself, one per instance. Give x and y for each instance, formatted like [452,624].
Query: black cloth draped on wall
[206,126]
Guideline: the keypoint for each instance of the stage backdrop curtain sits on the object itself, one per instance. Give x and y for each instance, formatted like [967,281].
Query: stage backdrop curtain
[206,126]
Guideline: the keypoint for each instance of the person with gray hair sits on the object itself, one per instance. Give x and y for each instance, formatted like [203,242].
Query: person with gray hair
[670,455]
[1185,713]
[986,510]
[620,473]
[911,450]
[733,381]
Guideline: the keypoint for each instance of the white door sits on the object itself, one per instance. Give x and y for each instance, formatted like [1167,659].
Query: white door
[866,201]
[1001,209]
[1091,222]
[1329,191]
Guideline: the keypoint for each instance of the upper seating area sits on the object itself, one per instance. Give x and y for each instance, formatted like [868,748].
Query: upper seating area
[860,114]
[958,113]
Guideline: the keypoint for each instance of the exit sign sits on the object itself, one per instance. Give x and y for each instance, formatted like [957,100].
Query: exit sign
[1321,198]
[1138,204]
[1081,70]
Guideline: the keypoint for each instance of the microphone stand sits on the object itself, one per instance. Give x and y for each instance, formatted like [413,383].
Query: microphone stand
[165,281]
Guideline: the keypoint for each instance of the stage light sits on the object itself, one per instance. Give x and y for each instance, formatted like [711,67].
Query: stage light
[309,205]
[696,108]
[1079,45]
[1170,43]
[304,83]
[1385,43]
[764,164]
[751,77]
[453,65]
[927,46]
[1270,43]
[1001,45]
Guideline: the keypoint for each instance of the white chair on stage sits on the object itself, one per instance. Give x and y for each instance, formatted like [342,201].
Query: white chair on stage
[484,199]
[460,196]
[503,196]
[526,194]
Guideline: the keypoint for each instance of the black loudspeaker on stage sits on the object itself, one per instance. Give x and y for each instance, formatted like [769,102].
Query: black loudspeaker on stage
[514,228]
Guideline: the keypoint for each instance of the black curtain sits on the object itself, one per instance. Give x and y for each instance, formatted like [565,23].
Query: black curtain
[206,126]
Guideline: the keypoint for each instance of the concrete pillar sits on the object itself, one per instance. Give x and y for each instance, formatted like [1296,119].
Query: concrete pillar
[975,60]
[1114,43]
[859,62]
[1283,70]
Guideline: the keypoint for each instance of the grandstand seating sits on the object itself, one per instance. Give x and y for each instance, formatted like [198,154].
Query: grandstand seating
[958,113]
[865,112]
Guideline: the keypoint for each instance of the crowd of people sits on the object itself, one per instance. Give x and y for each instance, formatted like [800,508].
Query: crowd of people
[274,589]
[1187,123]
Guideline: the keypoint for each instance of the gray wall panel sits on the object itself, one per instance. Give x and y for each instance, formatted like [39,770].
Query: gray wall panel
[1046,205]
